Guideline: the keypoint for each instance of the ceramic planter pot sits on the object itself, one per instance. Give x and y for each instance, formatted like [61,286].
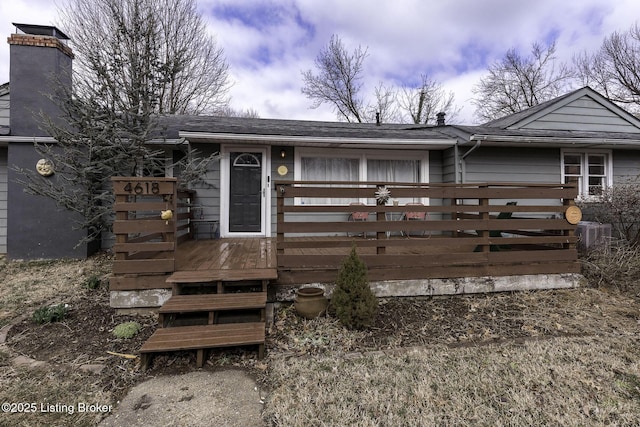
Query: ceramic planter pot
[310,302]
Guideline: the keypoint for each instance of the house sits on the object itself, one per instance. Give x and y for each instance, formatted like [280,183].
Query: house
[272,186]
[579,137]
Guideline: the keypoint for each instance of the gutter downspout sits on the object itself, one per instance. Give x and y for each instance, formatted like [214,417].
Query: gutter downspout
[463,165]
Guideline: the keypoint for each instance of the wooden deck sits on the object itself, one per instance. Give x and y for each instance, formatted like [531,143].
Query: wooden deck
[467,230]
[481,229]
[224,261]
[226,254]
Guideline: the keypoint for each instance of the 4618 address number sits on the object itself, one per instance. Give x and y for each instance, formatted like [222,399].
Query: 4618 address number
[142,188]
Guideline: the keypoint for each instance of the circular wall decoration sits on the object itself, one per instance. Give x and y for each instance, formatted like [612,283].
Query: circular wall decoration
[282,170]
[573,215]
[44,167]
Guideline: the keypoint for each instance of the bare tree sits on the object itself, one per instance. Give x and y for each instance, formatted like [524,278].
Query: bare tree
[614,69]
[228,111]
[421,103]
[385,106]
[186,67]
[517,82]
[126,77]
[338,80]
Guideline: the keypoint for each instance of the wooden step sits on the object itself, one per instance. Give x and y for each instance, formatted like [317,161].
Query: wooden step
[212,303]
[220,278]
[207,276]
[203,337]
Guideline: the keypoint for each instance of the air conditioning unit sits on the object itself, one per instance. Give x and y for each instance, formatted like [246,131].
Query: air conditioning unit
[593,235]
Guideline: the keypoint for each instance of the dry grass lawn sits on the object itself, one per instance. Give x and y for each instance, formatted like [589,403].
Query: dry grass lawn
[26,285]
[562,381]
[552,358]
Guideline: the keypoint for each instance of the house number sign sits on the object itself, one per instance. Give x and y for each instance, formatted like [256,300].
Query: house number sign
[142,188]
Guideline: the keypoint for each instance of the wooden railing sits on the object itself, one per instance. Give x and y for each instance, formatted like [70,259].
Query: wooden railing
[469,230]
[145,242]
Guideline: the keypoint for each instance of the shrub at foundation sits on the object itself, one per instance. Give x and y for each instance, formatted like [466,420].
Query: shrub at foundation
[127,330]
[353,302]
[615,267]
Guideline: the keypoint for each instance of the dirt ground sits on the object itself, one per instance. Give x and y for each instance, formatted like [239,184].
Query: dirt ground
[84,337]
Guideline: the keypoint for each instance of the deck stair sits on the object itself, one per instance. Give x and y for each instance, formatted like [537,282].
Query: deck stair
[235,292]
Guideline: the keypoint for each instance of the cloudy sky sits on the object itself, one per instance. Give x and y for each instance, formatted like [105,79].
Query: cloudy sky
[269,43]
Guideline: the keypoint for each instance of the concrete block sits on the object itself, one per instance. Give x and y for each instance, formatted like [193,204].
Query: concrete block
[455,286]
[144,298]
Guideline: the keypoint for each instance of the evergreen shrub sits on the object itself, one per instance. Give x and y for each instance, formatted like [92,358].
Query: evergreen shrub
[353,302]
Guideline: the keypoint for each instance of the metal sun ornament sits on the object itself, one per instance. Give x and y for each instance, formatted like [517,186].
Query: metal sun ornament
[382,195]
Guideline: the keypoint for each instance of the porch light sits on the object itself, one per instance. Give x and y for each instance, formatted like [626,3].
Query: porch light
[283,153]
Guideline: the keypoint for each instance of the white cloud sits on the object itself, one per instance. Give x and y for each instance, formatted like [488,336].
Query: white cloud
[268,43]
[41,12]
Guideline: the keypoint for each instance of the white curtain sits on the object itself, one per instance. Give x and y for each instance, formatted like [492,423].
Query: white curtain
[328,169]
[394,171]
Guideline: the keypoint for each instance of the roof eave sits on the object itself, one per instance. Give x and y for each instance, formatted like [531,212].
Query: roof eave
[559,142]
[317,141]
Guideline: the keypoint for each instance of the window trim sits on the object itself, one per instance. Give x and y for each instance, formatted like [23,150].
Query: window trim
[584,166]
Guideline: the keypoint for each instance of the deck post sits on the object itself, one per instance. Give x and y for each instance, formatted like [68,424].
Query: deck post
[455,215]
[280,219]
[311,244]
[145,243]
[381,235]
[569,233]
[485,216]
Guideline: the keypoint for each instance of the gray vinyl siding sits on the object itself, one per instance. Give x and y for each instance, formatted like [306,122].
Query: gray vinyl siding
[435,167]
[207,198]
[583,114]
[449,165]
[4,110]
[532,165]
[276,162]
[519,165]
[3,200]
[626,164]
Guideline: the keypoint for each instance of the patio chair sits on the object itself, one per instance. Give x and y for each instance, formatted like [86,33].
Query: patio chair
[357,216]
[413,216]
[497,233]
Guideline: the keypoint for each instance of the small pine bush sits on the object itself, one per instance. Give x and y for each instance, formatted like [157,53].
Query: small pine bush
[353,302]
[50,314]
[93,282]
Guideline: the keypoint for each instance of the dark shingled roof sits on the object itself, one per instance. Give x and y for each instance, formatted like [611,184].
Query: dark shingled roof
[537,133]
[292,128]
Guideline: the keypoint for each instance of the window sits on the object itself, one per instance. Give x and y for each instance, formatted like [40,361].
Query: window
[351,165]
[328,169]
[590,170]
[404,170]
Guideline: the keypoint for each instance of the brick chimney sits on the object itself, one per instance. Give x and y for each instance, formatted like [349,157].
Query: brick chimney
[40,68]
[440,119]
